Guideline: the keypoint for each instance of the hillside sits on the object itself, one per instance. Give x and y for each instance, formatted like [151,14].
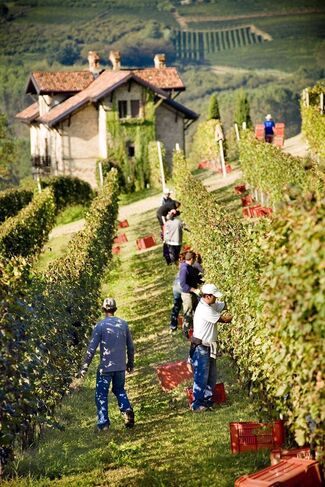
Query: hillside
[273,50]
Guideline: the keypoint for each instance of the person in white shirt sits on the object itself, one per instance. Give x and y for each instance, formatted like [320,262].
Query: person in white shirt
[203,346]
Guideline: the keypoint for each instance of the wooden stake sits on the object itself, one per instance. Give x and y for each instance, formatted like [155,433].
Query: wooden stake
[161,165]
[237,132]
[39,184]
[100,169]
[222,159]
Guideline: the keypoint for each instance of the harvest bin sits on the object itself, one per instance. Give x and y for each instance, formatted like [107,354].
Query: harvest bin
[288,473]
[282,454]
[172,374]
[251,436]
[146,242]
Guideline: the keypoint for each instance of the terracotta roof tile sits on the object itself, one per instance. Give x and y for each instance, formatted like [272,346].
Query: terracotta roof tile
[29,114]
[105,82]
[59,82]
[164,78]
[99,88]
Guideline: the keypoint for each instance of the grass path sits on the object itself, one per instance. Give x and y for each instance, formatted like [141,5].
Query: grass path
[169,446]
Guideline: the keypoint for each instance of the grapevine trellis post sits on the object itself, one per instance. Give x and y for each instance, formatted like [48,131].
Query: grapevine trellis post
[237,132]
[100,169]
[161,165]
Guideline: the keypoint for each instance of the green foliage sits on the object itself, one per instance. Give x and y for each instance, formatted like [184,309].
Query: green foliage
[313,122]
[107,165]
[68,190]
[261,267]
[205,145]
[213,110]
[134,132]
[274,172]
[242,110]
[12,201]
[26,233]
[45,326]
[7,153]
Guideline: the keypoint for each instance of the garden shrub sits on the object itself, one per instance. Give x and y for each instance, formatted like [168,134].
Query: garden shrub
[68,190]
[313,122]
[12,201]
[26,233]
[46,322]
[272,274]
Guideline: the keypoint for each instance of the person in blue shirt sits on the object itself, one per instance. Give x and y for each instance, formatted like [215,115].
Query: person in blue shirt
[269,127]
[113,336]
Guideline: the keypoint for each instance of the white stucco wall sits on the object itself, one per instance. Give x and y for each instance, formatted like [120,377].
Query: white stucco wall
[169,130]
[80,145]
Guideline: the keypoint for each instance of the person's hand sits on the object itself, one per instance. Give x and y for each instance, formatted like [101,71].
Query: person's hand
[129,370]
[82,373]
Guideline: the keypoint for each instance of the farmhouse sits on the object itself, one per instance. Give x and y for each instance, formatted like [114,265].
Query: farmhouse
[81,117]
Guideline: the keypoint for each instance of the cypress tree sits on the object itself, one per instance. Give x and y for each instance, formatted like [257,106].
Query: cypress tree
[213,110]
[242,110]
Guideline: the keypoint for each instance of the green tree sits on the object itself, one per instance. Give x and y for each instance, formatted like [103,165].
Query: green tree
[213,110]
[242,110]
[7,154]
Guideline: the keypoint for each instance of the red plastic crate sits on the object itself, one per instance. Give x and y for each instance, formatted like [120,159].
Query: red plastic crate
[116,250]
[146,242]
[247,200]
[288,473]
[251,436]
[279,129]
[240,188]
[228,169]
[218,396]
[122,238]
[259,211]
[282,454]
[172,374]
[278,140]
[123,224]
[259,131]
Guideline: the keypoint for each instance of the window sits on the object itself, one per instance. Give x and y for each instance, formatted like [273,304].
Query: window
[131,150]
[135,108]
[122,108]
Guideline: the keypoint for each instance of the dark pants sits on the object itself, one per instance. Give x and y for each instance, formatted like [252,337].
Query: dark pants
[174,251]
[102,389]
[205,376]
[177,306]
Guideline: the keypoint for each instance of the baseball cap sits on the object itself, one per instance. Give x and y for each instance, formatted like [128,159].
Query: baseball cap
[109,303]
[268,116]
[211,289]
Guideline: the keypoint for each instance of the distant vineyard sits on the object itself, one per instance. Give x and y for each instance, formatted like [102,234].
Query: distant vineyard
[195,45]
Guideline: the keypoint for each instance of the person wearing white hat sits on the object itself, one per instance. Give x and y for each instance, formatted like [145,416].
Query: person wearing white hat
[166,196]
[115,340]
[203,346]
[269,128]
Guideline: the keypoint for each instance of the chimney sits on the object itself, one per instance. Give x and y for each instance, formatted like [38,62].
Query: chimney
[93,60]
[115,58]
[160,61]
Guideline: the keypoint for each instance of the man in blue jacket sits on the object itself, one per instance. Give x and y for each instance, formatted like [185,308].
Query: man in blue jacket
[115,340]
[269,128]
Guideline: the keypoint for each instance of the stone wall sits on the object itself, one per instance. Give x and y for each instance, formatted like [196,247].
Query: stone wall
[170,130]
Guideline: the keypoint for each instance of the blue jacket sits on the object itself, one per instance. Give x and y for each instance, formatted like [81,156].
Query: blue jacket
[269,126]
[115,339]
[188,277]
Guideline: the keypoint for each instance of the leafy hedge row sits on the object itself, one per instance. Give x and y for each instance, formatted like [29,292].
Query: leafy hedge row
[313,122]
[12,201]
[26,233]
[46,323]
[68,190]
[272,274]
[272,171]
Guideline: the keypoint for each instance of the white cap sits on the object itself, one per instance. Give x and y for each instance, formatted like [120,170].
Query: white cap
[211,289]
[268,116]
[109,304]
[167,191]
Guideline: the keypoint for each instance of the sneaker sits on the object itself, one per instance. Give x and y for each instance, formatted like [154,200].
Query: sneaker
[172,330]
[103,428]
[129,418]
[200,409]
